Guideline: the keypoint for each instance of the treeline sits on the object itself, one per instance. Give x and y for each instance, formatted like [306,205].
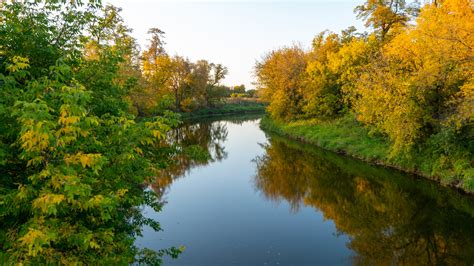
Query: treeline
[176,83]
[411,80]
[159,81]
[74,161]
[172,82]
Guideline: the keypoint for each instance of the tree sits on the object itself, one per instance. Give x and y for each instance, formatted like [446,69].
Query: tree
[109,48]
[213,91]
[348,63]
[384,15]
[73,166]
[204,82]
[418,74]
[410,83]
[156,48]
[155,61]
[280,78]
[180,78]
[322,94]
[252,93]
[157,70]
[239,89]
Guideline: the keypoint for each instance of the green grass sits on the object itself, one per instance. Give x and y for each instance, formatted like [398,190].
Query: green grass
[226,109]
[345,135]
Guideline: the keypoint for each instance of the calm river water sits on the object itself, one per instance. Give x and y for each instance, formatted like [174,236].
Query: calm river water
[263,200]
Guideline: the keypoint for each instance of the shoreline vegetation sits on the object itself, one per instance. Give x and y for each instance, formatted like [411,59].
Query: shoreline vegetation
[401,95]
[230,108]
[86,114]
[345,136]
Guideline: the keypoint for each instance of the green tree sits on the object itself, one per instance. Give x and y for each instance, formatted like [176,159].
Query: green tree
[214,92]
[74,169]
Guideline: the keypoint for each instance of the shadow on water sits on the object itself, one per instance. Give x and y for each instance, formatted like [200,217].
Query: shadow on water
[390,218]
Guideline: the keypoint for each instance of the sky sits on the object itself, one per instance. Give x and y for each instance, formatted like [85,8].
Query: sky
[235,33]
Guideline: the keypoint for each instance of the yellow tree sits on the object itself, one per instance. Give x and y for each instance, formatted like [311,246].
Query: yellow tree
[348,63]
[384,15]
[156,68]
[321,92]
[180,78]
[422,77]
[280,80]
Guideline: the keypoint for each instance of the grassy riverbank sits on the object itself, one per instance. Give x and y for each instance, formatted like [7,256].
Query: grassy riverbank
[226,109]
[346,136]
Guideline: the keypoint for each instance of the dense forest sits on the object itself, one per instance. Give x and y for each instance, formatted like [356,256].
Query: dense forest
[407,85]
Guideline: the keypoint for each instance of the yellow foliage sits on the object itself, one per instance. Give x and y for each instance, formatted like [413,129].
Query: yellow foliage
[347,64]
[92,51]
[121,192]
[421,76]
[35,139]
[464,102]
[34,240]
[188,105]
[281,79]
[84,159]
[321,90]
[158,134]
[63,120]
[47,202]
[94,244]
[18,63]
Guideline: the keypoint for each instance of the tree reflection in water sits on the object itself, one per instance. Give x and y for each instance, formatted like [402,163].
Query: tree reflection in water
[204,144]
[391,219]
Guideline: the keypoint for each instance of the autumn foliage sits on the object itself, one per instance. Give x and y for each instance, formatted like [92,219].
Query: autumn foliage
[74,161]
[410,80]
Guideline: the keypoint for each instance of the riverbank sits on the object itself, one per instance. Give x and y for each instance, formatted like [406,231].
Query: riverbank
[346,136]
[226,109]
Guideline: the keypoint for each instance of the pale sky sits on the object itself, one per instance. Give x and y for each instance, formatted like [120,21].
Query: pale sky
[235,33]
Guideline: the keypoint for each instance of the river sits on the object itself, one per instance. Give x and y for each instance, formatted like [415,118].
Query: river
[260,199]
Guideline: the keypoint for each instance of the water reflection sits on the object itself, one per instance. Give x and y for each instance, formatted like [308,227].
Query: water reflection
[389,218]
[203,144]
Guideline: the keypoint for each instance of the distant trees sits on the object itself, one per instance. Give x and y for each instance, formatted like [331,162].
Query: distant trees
[411,83]
[190,85]
[180,78]
[239,89]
